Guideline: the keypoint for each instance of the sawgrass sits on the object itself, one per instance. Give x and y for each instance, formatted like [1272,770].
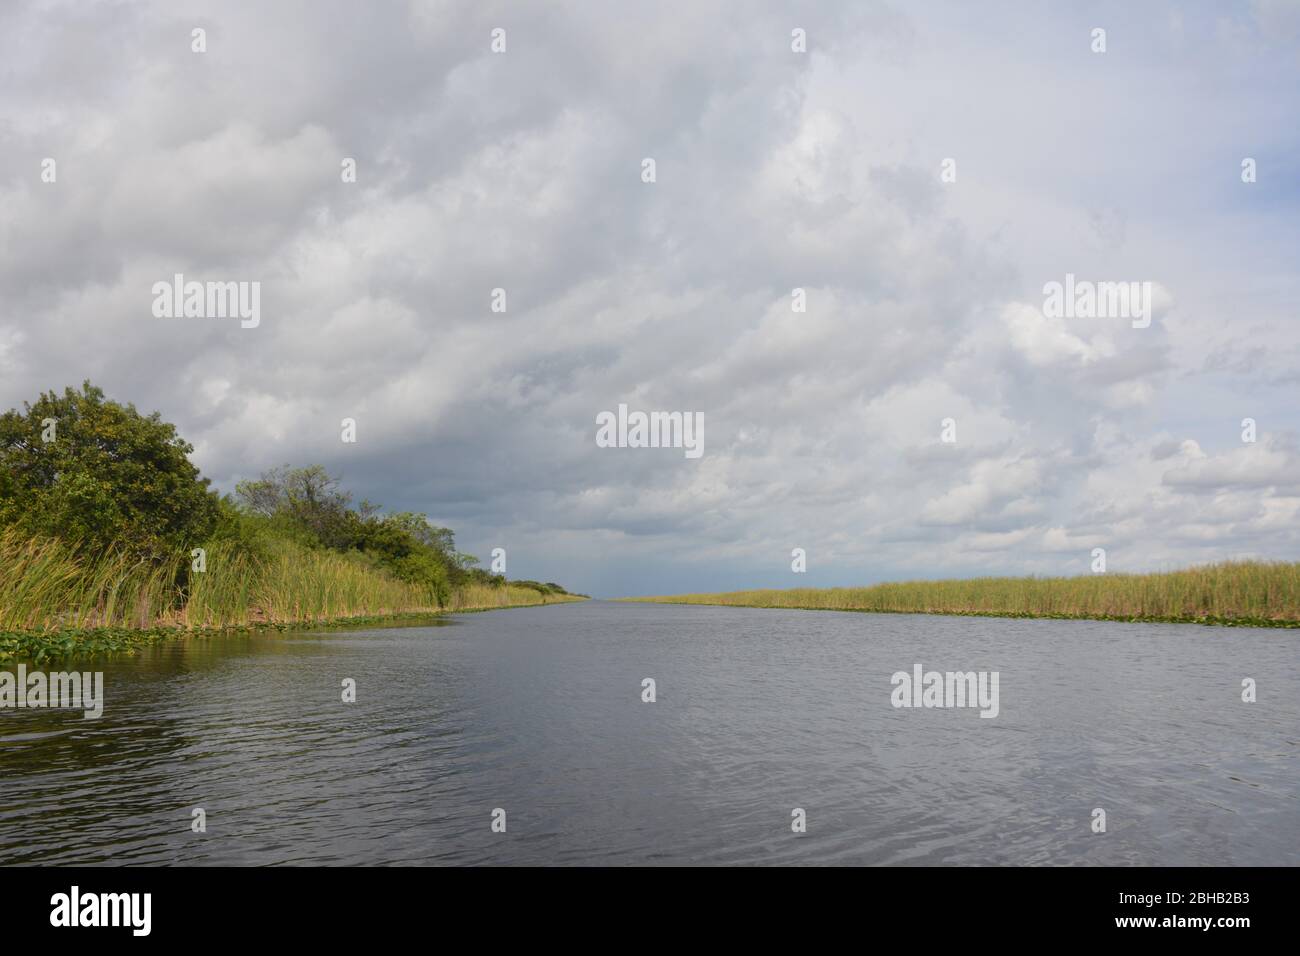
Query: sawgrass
[483,597]
[46,584]
[58,599]
[293,584]
[1254,593]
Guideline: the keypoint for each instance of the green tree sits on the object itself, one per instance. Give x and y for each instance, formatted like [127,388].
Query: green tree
[87,469]
[308,505]
[307,500]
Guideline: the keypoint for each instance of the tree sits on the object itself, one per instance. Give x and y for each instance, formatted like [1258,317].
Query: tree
[307,499]
[425,532]
[89,470]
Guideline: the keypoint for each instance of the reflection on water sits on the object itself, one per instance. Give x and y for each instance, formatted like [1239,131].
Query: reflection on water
[538,711]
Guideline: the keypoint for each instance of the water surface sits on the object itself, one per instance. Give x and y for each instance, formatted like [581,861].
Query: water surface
[538,711]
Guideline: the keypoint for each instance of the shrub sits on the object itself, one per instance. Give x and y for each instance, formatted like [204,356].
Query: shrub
[86,469]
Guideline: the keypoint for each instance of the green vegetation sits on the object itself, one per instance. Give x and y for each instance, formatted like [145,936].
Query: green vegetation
[86,469]
[1244,593]
[109,538]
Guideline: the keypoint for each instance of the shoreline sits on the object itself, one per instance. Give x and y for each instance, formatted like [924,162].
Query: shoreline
[39,646]
[1262,594]
[1206,620]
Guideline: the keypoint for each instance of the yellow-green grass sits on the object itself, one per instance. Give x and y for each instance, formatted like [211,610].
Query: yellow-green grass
[48,585]
[58,598]
[292,584]
[483,597]
[1259,593]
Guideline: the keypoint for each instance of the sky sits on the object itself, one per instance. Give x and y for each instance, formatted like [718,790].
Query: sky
[920,171]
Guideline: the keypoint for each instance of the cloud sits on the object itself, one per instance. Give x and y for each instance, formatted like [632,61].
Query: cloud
[776,171]
[1254,465]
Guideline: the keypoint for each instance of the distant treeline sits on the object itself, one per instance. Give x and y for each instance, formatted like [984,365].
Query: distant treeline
[104,521]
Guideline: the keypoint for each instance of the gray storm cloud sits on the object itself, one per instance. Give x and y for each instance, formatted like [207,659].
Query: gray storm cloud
[775,171]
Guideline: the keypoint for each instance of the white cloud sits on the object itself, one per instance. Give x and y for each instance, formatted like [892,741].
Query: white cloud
[776,171]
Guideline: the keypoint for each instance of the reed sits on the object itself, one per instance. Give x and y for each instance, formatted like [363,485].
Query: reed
[49,586]
[480,597]
[1235,592]
[292,584]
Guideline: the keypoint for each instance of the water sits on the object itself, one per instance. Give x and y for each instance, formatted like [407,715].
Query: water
[538,711]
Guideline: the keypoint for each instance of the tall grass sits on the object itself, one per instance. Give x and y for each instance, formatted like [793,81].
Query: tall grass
[291,583]
[478,597]
[48,585]
[1239,591]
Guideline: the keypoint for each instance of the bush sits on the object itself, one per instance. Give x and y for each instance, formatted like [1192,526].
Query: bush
[86,469]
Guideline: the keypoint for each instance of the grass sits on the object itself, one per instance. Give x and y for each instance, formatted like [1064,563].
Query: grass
[481,597]
[58,600]
[1239,593]
[294,584]
[48,585]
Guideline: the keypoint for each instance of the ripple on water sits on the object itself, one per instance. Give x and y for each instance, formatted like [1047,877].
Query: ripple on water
[538,711]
